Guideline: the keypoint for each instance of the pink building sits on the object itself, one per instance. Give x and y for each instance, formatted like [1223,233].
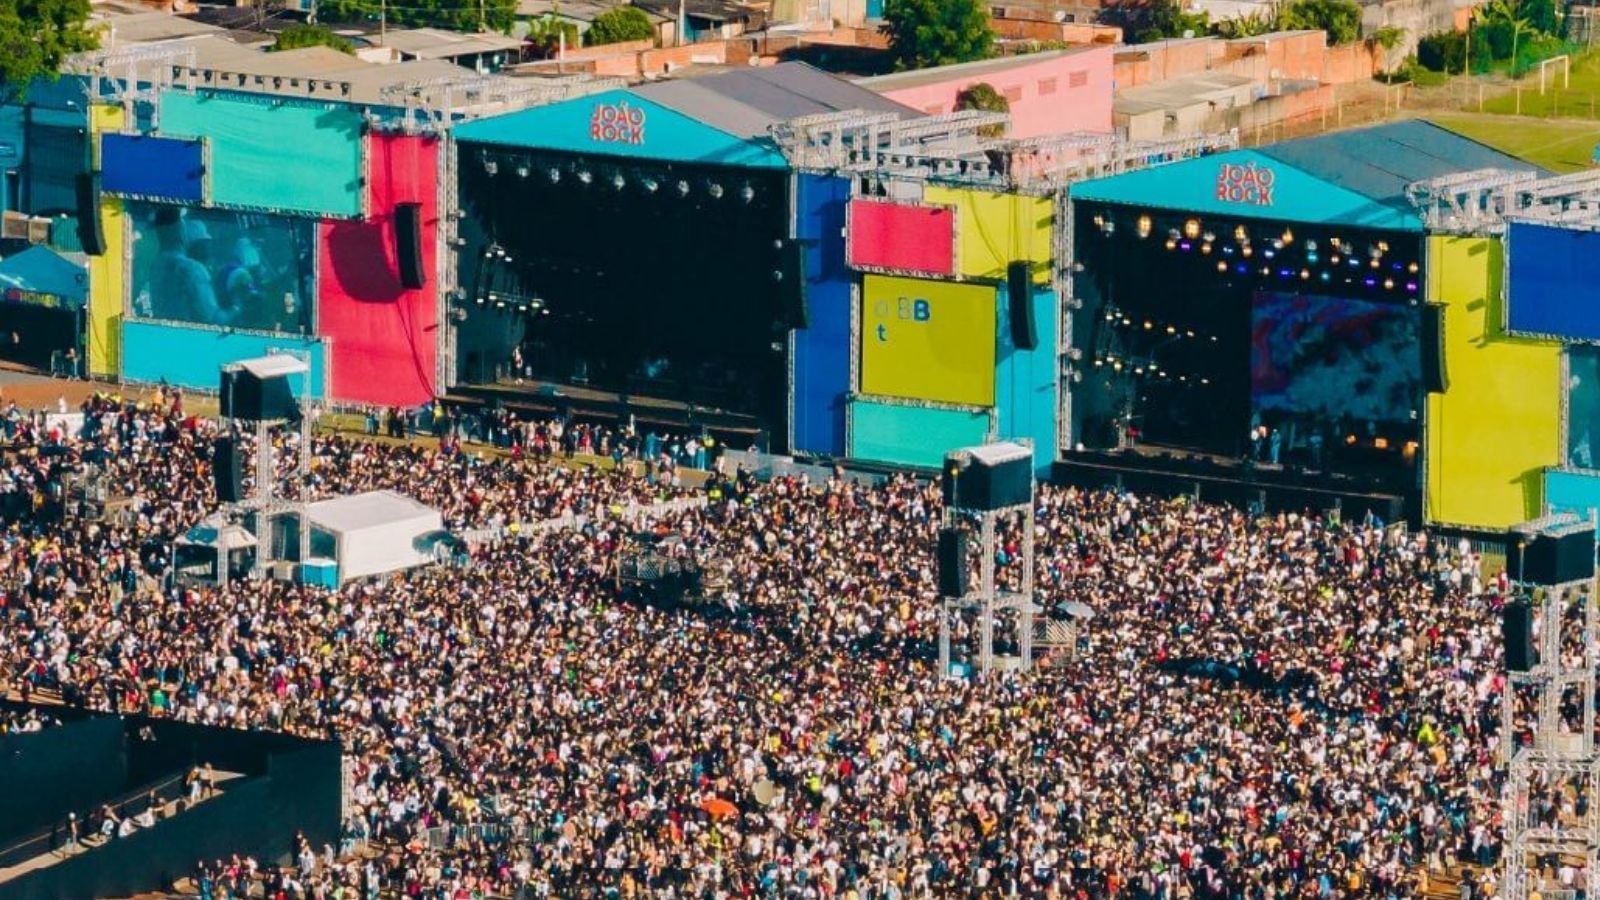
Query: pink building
[1050,93]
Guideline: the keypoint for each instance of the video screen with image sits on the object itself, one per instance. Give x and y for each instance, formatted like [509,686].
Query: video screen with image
[223,268]
[1335,359]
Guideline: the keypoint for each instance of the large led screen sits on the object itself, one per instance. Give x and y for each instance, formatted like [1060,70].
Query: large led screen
[1583,406]
[1328,358]
[911,238]
[928,340]
[1550,282]
[223,268]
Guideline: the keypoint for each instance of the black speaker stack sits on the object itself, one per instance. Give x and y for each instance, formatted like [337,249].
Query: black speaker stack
[1556,550]
[408,244]
[952,559]
[90,233]
[988,478]
[256,398]
[1516,626]
[227,469]
[1435,376]
[1019,289]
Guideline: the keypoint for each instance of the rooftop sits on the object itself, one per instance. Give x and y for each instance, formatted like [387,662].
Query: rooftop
[747,102]
[1176,93]
[939,74]
[435,43]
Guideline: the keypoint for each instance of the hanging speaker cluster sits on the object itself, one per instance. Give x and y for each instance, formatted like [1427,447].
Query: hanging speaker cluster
[408,245]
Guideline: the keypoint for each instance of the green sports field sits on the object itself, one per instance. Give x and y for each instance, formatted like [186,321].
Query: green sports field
[1560,145]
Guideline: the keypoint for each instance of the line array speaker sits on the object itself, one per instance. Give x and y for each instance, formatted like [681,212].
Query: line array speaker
[1019,285]
[227,469]
[1516,626]
[90,233]
[1435,377]
[408,244]
[953,578]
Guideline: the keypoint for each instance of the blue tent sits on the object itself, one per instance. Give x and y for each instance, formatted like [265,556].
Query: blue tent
[39,276]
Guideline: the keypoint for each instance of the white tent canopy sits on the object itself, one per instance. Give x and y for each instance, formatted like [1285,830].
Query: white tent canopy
[374,533]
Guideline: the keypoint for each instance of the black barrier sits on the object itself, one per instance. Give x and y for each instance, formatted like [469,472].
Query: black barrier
[68,768]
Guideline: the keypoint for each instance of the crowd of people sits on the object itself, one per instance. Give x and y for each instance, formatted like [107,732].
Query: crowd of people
[517,731]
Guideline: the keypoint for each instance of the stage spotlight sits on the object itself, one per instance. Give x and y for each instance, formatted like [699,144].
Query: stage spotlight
[584,176]
[1311,246]
[1412,268]
[618,182]
[747,193]
[555,174]
[715,190]
[1171,330]
[1172,243]
[1388,284]
[491,167]
[1099,221]
[1383,246]
[1288,235]
[1205,249]
[1173,235]
[1191,228]
[651,185]
[1246,251]
[522,171]
[1305,274]
[1240,235]
[459,315]
[1411,287]
[1111,227]
[1144,226]
[1208,237]
[1148,325]
[1334,259]
[683,188]
[1374,251]
[1326,278]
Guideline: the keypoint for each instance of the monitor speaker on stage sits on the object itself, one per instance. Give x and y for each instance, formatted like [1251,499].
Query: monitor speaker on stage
[227,470]
[408,244]
[90,234]
[1435,377]
[1550,559]
[1019,286]
[1516,627]
[953,576]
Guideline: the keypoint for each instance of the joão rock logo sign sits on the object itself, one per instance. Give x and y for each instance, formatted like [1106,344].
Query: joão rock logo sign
[616,123]
[1249,184]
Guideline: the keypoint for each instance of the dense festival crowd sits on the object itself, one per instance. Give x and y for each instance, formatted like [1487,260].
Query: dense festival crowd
[516,731]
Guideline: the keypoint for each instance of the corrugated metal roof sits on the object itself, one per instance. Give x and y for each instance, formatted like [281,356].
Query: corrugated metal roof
[1379,162]
[748,101]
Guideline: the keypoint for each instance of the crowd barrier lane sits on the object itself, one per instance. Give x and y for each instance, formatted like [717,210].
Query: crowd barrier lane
[477,537]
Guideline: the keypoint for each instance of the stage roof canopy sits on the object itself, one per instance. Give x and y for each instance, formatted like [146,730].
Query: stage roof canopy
[1355,177]
[40,276]
[718,119]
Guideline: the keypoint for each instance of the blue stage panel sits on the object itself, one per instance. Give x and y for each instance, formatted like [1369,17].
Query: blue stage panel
[1551,275]
[153,167]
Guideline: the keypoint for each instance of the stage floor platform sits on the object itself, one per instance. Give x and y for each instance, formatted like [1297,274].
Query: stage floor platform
[1268,488]
[550,398]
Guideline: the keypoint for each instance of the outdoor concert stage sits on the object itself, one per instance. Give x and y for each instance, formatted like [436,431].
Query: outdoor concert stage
[1217,479]
[590,404]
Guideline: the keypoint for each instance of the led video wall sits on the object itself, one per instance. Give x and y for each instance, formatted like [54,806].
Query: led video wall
[222,268]
[1334,359]
[1544,265]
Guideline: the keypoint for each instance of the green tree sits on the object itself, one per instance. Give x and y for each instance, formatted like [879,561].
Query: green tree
[1341,19]
[36,37]
[1252,25]
[924,33]
[296,36]
[1165,19]
[1443,51]
[1504,19]
[547,35]
[619,24]
[983,96]
[453,15]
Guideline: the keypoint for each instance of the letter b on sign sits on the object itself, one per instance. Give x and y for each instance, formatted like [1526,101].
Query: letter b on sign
[920,311]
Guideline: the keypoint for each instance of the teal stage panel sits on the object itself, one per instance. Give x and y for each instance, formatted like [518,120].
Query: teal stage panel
[193,357]
[911,435]
[248,137]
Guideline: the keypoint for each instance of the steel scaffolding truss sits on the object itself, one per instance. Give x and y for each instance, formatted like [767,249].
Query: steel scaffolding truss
[433,104]
[1555,759]
[988,601]
[136,72]
[1468,202]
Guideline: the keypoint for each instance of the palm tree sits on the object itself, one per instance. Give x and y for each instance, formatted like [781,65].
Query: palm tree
[1508,14]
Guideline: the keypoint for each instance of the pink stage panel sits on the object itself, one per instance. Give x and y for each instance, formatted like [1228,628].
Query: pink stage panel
[384,336]
[901,237]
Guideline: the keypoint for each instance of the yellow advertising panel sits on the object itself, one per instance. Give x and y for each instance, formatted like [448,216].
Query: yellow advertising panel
[928,340]
[994,229]
[105,271]
[1498,425]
